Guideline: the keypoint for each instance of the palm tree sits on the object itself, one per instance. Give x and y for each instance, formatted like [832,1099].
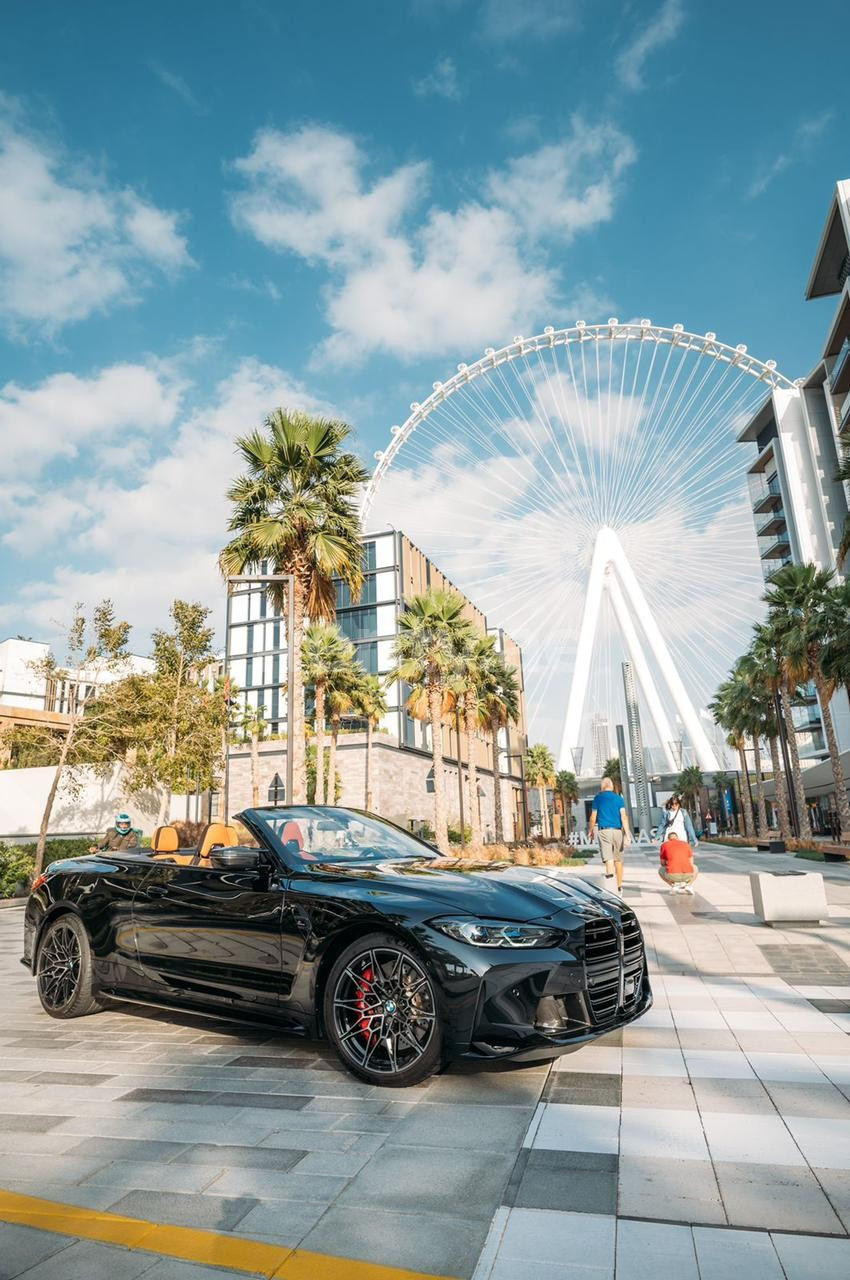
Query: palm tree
[613,771]
[467,684]
[425,649]
[724,709]
[750,708]
[294,508]
[325,656]
[803,611]
[689,787]
[500,707]
[763,668]
[540,773]
[566,787]
[252,724]
[341,698]
[370,702]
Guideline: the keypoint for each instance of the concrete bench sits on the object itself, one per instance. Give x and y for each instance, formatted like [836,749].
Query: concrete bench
[789,897]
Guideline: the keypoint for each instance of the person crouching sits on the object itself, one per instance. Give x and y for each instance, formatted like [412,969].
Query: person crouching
[677,864]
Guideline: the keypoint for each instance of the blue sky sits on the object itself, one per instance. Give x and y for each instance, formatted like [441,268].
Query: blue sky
[210,208]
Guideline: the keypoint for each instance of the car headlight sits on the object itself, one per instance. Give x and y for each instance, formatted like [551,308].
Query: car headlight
[499,933]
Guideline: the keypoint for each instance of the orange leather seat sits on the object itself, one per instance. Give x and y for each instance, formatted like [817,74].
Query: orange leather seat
[165,844]
[293,838]
[217,834]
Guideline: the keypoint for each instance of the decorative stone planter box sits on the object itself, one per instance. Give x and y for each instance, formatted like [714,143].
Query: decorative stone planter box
[789,897]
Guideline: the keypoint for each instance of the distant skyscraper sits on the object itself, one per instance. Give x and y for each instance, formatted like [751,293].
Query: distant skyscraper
[601,742]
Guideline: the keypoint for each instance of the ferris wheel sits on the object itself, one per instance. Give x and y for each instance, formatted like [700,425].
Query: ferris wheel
[585,488]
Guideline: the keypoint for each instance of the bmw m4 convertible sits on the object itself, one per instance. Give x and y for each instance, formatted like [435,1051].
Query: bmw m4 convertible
[329,921]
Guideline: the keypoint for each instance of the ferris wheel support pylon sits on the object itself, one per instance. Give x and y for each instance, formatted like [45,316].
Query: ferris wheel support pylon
[609,557]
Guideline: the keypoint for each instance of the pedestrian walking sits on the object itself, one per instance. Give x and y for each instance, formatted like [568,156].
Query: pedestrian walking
[608,816]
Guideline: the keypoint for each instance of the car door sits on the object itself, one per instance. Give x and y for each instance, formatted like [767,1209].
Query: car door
[212,933]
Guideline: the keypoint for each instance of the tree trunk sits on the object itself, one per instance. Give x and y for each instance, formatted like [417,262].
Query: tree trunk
[330,780]
[472,776]
[796,774]
[498,816]
[760,798]
[746,798]
[781,791]
[435,710]
[544,812]
[841,801]
[255,768]
[295,731]
[164,806]
[51,796]
[368,798]
[320,742]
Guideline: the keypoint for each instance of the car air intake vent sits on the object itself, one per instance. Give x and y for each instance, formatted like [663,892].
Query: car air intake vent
[602,960]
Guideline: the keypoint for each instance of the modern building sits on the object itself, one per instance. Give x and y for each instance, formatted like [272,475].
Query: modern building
[799,508]
[600,740]
[395,569]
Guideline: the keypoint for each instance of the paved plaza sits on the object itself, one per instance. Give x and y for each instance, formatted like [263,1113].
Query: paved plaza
[709,1140]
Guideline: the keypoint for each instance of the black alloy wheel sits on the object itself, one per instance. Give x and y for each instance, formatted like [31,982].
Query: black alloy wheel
[64,970]
[382,1014]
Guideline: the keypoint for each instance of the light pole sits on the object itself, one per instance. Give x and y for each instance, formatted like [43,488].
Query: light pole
[264,579]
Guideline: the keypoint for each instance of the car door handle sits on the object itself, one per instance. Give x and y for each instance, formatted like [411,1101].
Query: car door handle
[157,891]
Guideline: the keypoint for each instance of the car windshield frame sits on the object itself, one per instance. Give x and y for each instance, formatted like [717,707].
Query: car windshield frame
[266,822]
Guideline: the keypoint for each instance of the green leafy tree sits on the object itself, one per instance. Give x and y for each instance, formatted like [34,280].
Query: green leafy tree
[500,708]
[30,746]
[96,651]
[540,773]
[342,701]
[424,652]
[724,708]
[252,727]
[326,656]
[612,770]
[567,790]
[295,509]
[689,787]
[370,702]
[804,612]
[467,682]
[762,666]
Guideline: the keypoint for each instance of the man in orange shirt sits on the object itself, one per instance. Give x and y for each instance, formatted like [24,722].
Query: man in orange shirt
[677,864]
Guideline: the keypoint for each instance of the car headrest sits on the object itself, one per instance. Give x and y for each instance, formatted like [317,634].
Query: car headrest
[217,833]
[291,833]
[165,840]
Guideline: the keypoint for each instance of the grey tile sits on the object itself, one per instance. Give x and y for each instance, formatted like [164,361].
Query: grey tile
[171,1269]
[676,1190]
[310,1140]
[87,1260]
[183,1097]
[748,1097]
[30,1123]
[415,1241]
[269,1184]
[70,1077]
[235,1157]
[271,1101]
[424,1180]
[775,1197]
[494,1088]
[653,1091]
[343,1164]
[127,1149]
[721,1254]
[142,1175]
[455,1127]
[25,1247]
[538,1239]
[807,1258]
[812,1100]
[836,1184]
[211,1213]
[578,1181]
[301,1064]
[585,1088]
[281,1221]
[655,1251]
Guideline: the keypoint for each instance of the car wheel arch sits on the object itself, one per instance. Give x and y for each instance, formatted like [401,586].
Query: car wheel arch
[55,912]
[344,939]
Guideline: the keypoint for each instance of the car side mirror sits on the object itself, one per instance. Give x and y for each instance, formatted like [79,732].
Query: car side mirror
[235,859]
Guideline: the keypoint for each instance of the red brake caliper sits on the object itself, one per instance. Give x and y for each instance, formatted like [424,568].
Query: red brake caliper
[363,989]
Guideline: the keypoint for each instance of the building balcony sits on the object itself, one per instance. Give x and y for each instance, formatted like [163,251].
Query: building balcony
[765,494]
[775,546]
[774,524]
[839,377]
[844,416]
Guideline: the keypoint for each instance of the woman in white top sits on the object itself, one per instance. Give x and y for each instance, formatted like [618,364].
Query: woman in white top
[678,822]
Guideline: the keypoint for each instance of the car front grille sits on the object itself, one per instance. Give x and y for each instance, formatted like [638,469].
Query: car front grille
[614,972]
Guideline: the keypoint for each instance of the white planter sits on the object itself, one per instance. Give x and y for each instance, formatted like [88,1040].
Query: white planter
[795,897]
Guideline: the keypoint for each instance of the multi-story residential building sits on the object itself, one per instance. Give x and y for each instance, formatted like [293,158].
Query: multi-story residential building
[799,508]
[395,569]
[600,742]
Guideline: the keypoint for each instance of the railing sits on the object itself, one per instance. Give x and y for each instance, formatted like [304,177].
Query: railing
[777,518]
[774,546]
[764,493]
[844,415]
[840,368]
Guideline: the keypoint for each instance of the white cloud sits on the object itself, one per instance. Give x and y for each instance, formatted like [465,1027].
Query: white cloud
[411,283]
[151,530]
[171,80]
[808,131]
[505,20]
[71,245]
[654,34]
[440,82]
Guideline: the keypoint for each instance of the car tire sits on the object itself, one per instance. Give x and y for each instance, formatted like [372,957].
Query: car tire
[64,970]
[382,1012]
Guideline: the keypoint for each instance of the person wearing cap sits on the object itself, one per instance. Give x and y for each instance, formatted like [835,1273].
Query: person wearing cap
[120,836]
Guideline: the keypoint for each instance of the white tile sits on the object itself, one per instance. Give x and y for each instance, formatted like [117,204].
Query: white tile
[814,993]
[657,1017]
[838,993]
[699,1019]
[789,1067]
[841,1020]
[813,1257]
[824,1143]
[655,1251]
[517,1269]
[750,1139]
[722,1254]
[565,1126]
[718,1064]
[658,1132]
[835,1067]
[752,1020]
[547,1236]
[804,1020]
[653,1062]
[604,1058]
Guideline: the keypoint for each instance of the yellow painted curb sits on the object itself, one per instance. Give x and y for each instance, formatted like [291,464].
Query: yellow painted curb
[252,1257]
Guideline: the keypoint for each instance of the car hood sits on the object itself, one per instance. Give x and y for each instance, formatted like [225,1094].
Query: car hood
[491,889]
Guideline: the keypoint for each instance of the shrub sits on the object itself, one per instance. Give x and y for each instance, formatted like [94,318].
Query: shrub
[15,870]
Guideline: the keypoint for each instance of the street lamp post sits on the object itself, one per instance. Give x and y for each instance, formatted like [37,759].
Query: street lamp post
[263,579]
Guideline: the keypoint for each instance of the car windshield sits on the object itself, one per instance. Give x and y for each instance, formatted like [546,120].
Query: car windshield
[326,834]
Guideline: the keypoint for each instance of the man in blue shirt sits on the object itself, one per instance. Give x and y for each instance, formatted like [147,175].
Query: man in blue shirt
[608,816]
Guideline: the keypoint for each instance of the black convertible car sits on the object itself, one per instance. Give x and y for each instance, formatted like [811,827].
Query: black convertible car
[331,921]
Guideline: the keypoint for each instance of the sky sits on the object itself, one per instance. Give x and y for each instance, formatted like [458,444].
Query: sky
[210,209]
